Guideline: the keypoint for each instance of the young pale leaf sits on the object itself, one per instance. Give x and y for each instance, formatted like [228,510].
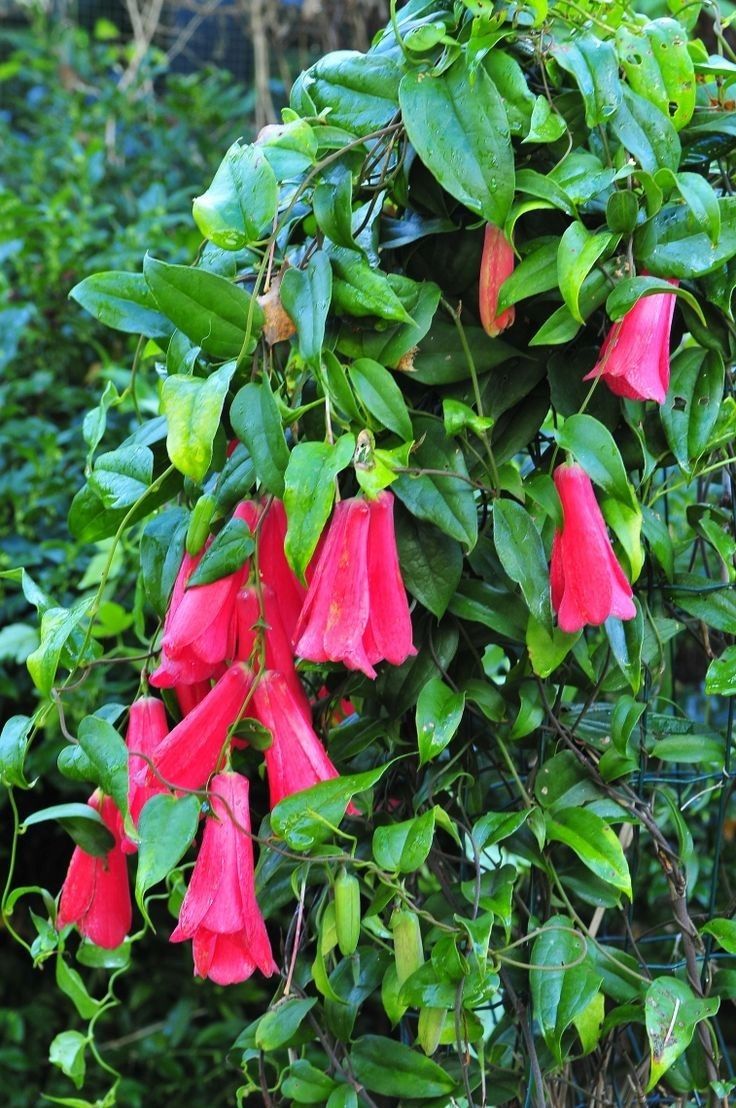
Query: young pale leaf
[193,407]
[210,310]
[239,206]
[57,628]
[723,931]
[67,1052]
[309,494]
[256,421]
[439,711]
[470,154]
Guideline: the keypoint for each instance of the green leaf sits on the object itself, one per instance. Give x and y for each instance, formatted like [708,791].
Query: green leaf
[690,749]
[304,1083]
[672,1012]
[563,979]
[622,211]
[532,183]
[67,1052]
[123,301]
[240,205]
[332,204]
[720,680]
[494,827]
[161,553]
[282,1022]
[360,290]
[359,90]
[712,601]
[447,502]
[470,154]
[578,252]
[404,847]
[381,396]
[723,931]
[546,124]
[211,311]
[193,407]
[57,627]
[626,641]
[389,1068]
[439,711]
[389,346]
[290,147]
[308,817]
[431,563]
[646,133]
[71,984]
[166,830]
[593,447]
[109,755]
[309,495]
[595,844]
[82,822]
[306,295]
[631,289]
[122,476]
[657,64]
[14,740]
[674,244]
[548,646]
[594,65]
[535,273]
[702,200]
[230,549]
[693,402]
[256,421]
[521,553]
[561,325]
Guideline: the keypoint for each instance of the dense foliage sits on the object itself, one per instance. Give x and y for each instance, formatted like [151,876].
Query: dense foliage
[518,889]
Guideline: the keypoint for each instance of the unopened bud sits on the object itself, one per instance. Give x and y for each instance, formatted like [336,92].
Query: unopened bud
[429,1029]
[199,523]
[408,951]
[496,264]
[347,912]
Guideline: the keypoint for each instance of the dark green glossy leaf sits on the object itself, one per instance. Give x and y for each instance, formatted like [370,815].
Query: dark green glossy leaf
[256,421]
[470,154]
[306,295]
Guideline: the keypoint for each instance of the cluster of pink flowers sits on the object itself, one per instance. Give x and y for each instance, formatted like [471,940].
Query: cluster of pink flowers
[228,651]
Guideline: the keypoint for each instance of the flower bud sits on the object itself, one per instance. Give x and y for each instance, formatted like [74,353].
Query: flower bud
[429,1029]
[408,951]
[496,264]
[347,912]
[199,523]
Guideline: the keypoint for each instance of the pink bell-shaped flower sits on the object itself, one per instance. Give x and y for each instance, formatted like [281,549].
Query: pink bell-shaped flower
[273,567]
[586,580]
[96,894]
[199,629]
[189,754]
[496,264]
[634,359]
[219,911]
[147,728]
[276,645]
[296,759]
[356,611]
